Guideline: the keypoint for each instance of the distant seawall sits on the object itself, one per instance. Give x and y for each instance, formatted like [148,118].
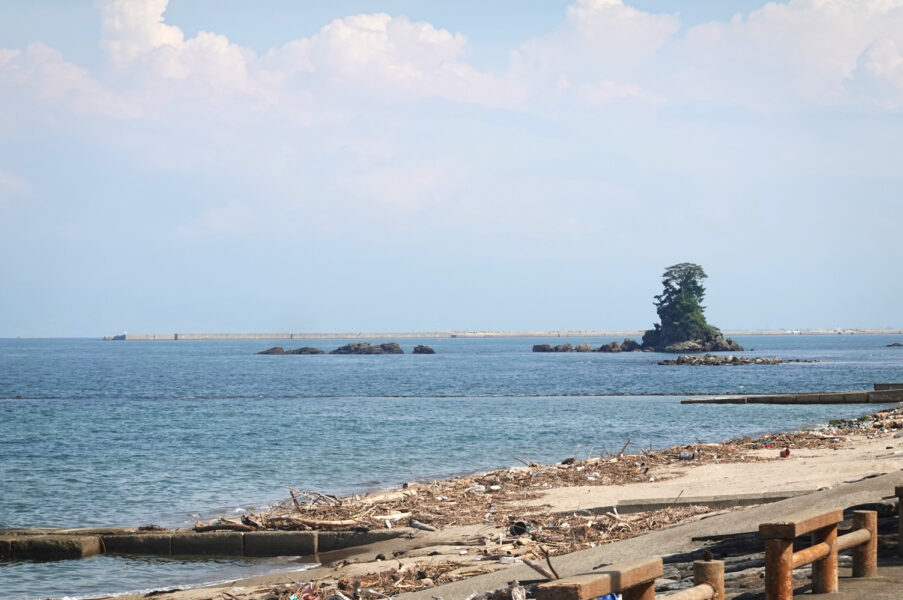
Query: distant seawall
[462,334]
[366,335]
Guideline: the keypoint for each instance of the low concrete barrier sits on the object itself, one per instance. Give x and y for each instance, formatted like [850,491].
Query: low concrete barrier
[339,540]
[888,386]
[53,547]
[159,544]
[855,397]
[212,543]
[884,396]
[280,543]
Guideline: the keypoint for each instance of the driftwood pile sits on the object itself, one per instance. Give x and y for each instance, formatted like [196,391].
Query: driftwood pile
[531,535]
[496,497]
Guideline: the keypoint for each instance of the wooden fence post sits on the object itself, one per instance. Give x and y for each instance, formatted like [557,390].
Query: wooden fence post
[865,556]
[712,573]
[824,571]
[778,569]
[898,492]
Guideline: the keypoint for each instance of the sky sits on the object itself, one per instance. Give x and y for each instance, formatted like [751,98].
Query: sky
[400,165]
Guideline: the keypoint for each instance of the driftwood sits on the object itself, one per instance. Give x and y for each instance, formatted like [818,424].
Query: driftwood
[223,527]
[539,568]
[324,523]
[418,525]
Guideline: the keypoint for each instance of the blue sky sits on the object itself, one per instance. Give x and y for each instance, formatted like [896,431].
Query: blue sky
[362,166]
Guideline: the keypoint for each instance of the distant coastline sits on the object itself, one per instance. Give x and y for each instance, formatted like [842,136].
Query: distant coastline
[464,334]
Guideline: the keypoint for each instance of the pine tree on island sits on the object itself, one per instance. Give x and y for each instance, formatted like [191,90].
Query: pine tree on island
[683,327]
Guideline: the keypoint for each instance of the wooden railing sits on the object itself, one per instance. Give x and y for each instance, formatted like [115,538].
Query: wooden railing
[780,559]
[635,580]
[898,492]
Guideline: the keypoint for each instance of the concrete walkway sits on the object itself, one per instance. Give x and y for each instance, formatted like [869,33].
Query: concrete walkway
[686,538]
[887,586]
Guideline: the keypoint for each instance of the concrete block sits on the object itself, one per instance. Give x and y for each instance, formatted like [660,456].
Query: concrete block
[831,398]
[280,543]
[338,540]
[212,543]
[769,399]
[158,544]
[886,396]
[4,549]
[807,399]
[856,397]
[880,387]
[54,547]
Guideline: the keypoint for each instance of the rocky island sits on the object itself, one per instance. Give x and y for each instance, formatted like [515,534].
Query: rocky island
[683,327]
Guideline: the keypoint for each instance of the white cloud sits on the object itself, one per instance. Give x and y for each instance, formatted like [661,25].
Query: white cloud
[40,74]
[804,51]
[596,52]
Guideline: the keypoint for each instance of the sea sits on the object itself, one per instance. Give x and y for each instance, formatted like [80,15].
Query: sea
[128,433]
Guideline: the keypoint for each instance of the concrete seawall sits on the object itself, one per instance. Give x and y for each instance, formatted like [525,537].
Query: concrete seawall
[144,337]
[61,545]
[885,393]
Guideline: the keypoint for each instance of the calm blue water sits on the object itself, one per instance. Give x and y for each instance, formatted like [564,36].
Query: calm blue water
[125,433]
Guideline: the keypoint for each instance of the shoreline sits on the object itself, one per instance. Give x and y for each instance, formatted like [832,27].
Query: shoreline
[469,334]
[453,552]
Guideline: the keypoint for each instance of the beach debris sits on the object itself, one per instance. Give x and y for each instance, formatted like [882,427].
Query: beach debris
[785,453]
[686,455]
[423,526]
[222,525]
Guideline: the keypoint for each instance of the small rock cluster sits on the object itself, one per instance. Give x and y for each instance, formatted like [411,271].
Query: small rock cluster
[628,345]
[719,344]
[729,360]
[352,348]
[280,350]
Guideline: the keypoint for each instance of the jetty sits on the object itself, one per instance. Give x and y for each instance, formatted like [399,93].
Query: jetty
[884,393]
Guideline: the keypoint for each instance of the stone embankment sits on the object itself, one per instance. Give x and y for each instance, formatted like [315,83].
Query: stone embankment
[730,360]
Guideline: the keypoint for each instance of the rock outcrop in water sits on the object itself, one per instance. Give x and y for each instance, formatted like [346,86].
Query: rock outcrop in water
[279,350]
[366,348]
[710,360]
[421,349]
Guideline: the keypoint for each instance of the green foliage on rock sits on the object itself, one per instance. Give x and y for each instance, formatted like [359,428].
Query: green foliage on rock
[680,310]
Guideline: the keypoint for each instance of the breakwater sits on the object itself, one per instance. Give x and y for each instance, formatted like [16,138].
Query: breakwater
[884,393]
[569,333]
[364,335]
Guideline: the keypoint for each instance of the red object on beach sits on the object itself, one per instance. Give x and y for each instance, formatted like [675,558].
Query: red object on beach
[785,452]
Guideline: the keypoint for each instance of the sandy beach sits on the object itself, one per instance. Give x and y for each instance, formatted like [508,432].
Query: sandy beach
[499,520]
